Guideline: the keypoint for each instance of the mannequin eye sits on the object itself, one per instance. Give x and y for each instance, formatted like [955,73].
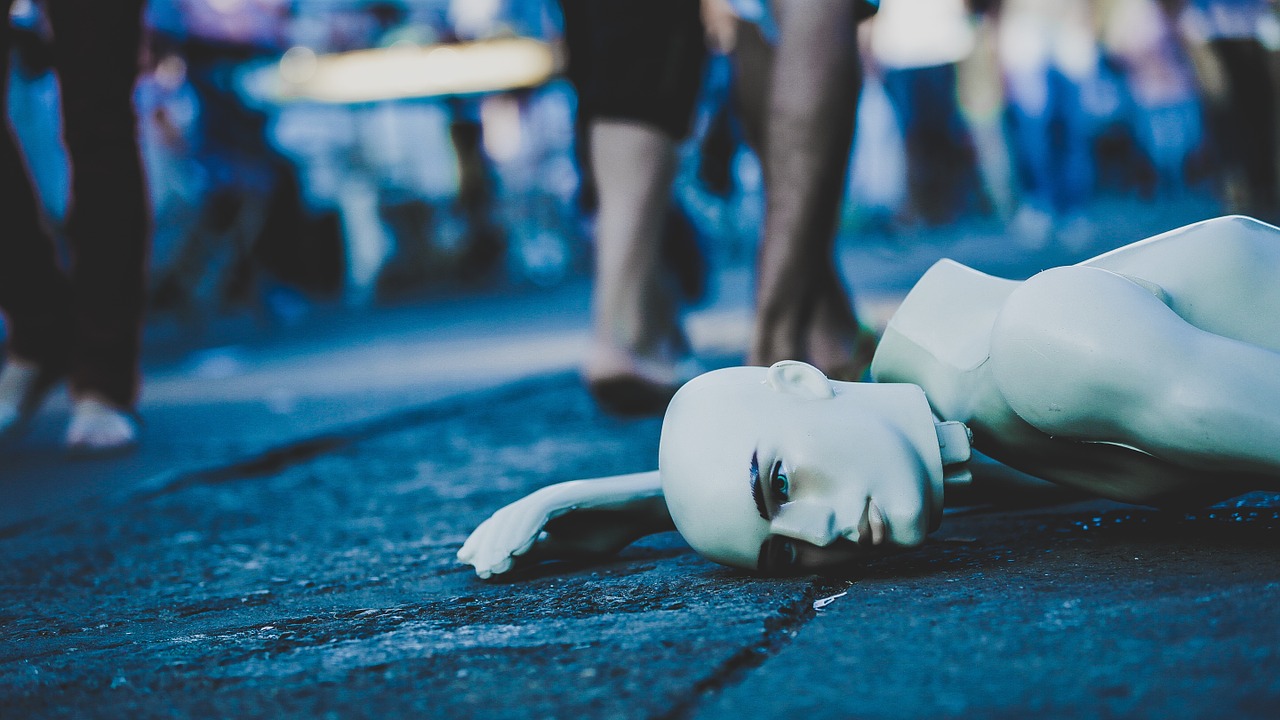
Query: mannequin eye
[779,483]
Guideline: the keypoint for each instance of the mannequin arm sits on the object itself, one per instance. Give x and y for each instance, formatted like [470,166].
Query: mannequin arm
[579,518]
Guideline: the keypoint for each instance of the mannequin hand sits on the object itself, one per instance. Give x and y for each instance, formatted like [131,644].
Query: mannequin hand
[512,531]
[570,519]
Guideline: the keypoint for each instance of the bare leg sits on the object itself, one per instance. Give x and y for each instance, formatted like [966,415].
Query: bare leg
[633,310]
[809,132]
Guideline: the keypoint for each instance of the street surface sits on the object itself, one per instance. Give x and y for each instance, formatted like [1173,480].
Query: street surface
[282,545]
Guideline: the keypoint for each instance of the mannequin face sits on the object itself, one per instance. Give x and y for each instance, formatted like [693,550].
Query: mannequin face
[782,470]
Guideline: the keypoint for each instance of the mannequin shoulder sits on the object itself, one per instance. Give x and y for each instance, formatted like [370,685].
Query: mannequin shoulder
[1057,294]
[1072,343]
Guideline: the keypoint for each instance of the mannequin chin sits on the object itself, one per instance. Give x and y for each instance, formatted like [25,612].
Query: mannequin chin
[775,468]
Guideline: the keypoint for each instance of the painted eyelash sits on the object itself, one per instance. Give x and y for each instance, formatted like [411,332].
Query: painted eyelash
[757,489]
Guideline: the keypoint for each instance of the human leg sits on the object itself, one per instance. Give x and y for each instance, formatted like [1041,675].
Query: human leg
[939,154]
[1027,89]
[1250,136]
[980,95]
[752,60]
[632,311]
[636,66]
[96,57]
[34,292]
[808,135]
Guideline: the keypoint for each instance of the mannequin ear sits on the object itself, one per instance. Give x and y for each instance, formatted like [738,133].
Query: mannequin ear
[796,378]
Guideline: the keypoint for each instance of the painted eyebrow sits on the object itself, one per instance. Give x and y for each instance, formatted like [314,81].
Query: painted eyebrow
[757,489]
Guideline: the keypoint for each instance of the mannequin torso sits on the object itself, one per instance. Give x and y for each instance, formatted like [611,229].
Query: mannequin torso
[1142,375]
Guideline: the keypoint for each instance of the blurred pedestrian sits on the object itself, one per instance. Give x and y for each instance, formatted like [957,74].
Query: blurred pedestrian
[1049,56]
[251,214]
[637,67]
[1140,37]
[799,77]
[1229,39]
[83,322]
[916,47]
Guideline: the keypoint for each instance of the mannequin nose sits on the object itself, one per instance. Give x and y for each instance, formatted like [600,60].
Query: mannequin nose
[811,522]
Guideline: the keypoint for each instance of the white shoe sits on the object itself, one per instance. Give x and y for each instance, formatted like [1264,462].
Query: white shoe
[98,428]
[23,387]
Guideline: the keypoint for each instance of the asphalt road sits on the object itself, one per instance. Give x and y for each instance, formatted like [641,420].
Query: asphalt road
[250,562]
[323,582]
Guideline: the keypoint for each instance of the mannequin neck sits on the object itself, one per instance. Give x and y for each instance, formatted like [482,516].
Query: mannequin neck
[940,336]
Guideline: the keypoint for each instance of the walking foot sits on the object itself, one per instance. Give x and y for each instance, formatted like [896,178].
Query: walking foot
[100,428]
[629,385]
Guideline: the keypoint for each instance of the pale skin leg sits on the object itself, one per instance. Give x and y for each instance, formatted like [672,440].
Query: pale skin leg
[803,309]
[633,312]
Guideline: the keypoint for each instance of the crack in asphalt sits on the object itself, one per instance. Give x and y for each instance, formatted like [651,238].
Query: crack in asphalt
[779,630]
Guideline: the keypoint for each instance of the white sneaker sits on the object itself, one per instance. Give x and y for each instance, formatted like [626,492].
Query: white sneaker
[98,428]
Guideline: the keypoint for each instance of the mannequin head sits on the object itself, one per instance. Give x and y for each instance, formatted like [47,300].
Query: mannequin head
[781,469]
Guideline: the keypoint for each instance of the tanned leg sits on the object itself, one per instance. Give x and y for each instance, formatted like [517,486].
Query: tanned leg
[803,309]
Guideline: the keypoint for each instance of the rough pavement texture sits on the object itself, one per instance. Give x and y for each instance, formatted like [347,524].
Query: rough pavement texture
[1089,610]
[322,580]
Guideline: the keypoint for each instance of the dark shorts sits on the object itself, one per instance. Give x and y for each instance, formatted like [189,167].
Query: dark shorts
[636,60]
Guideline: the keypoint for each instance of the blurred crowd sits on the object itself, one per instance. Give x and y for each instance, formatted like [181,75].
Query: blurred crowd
[1019,110]
[1029,108]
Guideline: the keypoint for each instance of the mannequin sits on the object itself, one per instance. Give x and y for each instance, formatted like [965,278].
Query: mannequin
[1149,374]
